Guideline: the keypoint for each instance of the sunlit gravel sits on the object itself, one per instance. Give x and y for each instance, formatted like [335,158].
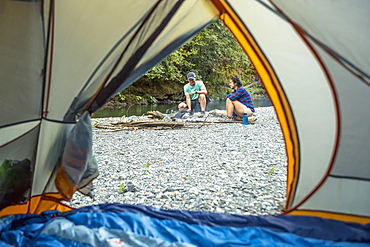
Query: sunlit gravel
[217,167]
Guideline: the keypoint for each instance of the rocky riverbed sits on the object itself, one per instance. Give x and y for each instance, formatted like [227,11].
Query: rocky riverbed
[217,167]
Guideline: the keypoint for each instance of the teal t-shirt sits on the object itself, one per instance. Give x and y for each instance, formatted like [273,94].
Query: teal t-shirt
[197,87]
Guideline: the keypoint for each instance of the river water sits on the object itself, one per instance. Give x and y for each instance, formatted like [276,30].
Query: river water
[138,110]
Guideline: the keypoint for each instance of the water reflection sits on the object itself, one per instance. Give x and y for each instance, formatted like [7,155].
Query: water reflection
[138,110]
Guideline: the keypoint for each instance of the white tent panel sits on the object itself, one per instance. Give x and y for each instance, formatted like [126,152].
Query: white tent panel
[353,103]
[342,196]
[338,24]
[21,61]
[352,99]
[52,139]
[302,80]
[12,132]
[75,40]
[19,149]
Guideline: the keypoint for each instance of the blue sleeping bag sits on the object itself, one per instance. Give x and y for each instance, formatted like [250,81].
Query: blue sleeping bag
[138,225]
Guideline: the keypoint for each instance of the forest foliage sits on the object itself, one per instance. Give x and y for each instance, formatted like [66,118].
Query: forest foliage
[213,55]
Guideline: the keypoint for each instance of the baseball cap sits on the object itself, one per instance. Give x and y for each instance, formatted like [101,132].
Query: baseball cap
[191,75]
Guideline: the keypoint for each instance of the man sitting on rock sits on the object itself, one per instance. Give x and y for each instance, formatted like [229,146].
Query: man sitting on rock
[195,92]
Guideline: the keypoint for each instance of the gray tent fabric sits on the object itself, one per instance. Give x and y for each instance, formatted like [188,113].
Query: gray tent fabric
[77,160]
[85,186]
[78,149]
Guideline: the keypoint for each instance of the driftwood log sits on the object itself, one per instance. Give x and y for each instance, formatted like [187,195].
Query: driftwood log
[155,124]
[155,114]
[134,125]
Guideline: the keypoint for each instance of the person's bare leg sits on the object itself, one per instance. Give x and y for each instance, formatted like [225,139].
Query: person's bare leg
[238,108]
[229,107]
[182,107]
[202,101]
[234,106]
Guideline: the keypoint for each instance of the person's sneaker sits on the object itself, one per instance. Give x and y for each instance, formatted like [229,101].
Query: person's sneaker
[179,114]
[228,118]
[252,119]
[202,113]
[237,118]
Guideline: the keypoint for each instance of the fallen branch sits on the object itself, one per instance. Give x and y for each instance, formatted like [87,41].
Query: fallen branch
[133,125]
[155,114]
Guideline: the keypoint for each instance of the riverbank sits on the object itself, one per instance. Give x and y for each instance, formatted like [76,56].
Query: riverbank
[139,110]
[219,167]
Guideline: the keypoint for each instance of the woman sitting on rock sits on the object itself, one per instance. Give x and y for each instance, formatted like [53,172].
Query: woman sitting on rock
[239,102]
